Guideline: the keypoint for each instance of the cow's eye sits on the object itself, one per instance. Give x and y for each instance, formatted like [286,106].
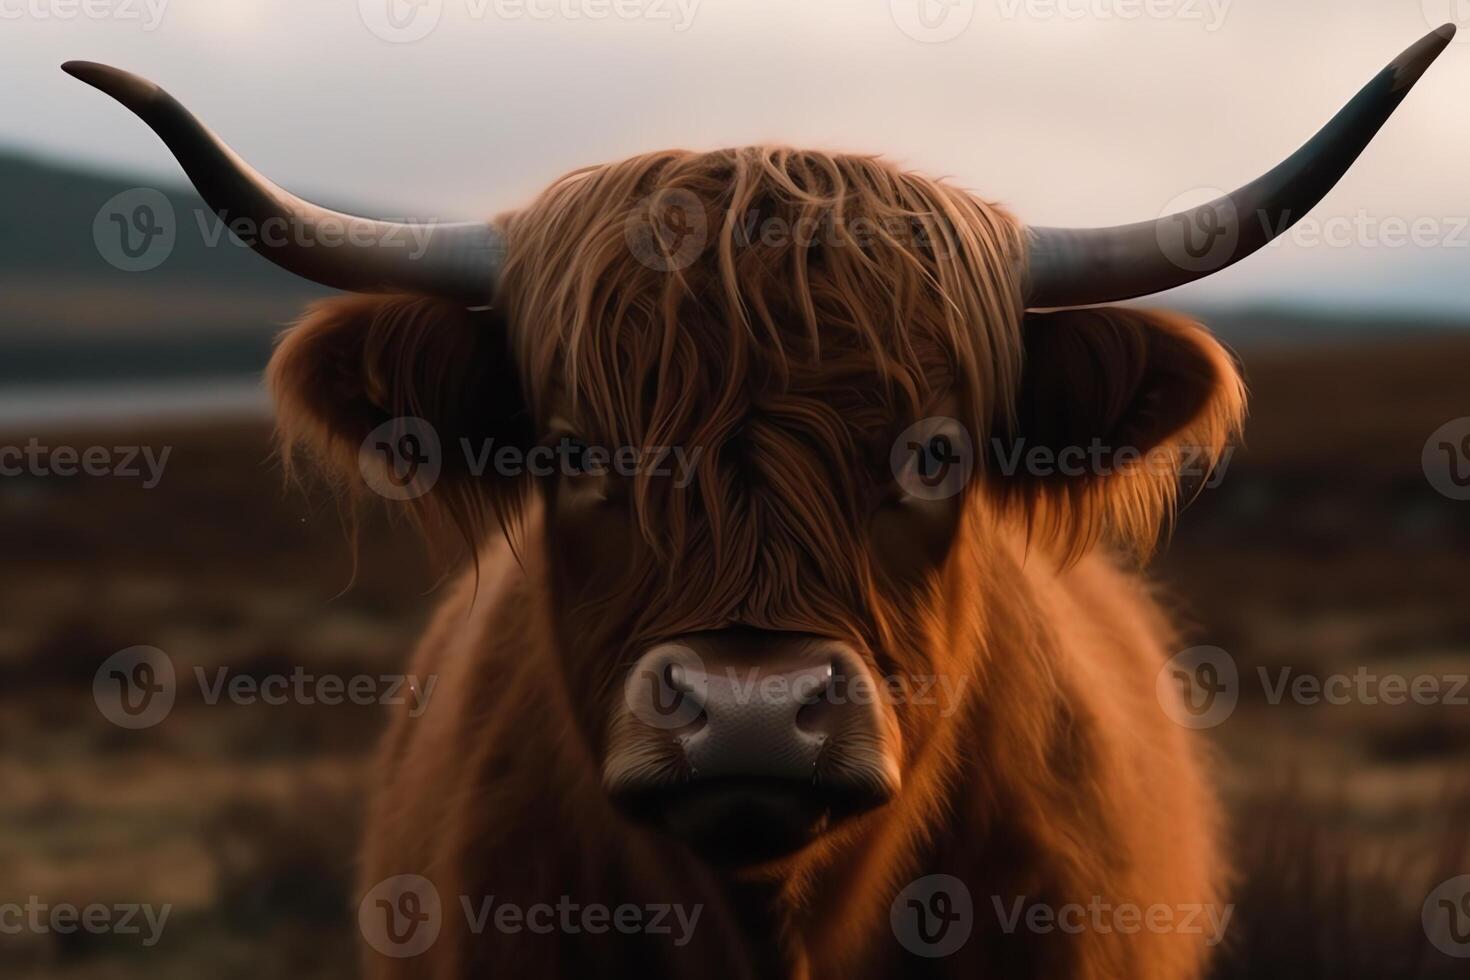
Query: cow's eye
[574,455]
[930,460]
[579,462]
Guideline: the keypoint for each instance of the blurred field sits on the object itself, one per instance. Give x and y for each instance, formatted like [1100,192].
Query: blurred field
[1324,549]
[242,816]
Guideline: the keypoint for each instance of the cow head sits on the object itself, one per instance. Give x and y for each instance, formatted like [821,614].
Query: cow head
[779,392]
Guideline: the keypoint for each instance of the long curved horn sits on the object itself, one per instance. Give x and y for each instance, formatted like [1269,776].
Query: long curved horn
[1077,267]
[459,261]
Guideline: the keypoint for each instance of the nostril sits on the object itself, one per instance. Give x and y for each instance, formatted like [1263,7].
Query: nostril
[812,686]
[687,704]
[817,701]
[667,690]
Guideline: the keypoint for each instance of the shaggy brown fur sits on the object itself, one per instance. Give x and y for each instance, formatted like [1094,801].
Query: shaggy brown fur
[791,359]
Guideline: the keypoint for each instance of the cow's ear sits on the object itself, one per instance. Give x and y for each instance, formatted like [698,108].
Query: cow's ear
[1117,409]
[407,396]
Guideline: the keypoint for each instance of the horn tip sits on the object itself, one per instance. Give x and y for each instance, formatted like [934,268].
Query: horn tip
[1437,40]
[86,71]
[1410,66]
[124,86]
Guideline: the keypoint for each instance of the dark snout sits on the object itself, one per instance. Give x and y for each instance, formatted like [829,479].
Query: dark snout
[749,745]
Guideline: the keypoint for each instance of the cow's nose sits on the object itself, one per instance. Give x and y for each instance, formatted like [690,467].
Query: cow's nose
[728,734]
[752,720]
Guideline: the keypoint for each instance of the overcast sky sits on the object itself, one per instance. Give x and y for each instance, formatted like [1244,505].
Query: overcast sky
[1068,111]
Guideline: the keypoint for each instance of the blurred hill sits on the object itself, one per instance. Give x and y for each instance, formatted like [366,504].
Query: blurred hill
[209,308]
